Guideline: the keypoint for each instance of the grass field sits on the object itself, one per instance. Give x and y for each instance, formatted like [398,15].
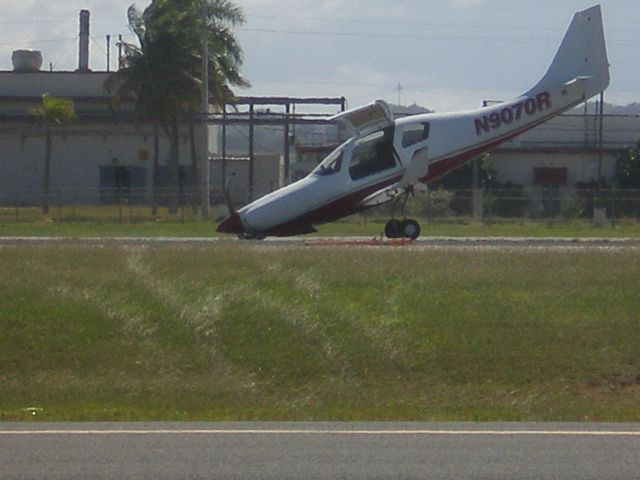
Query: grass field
[108,225]
[308,333]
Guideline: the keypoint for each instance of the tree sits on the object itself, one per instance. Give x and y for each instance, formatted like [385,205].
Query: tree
[627,172]
[51,111]
[163,74]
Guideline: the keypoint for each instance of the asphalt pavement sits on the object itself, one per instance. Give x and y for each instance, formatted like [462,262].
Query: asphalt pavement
[319,451]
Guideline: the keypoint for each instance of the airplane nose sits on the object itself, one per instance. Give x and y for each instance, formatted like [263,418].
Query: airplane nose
[231,224]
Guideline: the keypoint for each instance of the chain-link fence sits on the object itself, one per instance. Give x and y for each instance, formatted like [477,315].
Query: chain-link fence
[516,204]
[482,206]
[106,205]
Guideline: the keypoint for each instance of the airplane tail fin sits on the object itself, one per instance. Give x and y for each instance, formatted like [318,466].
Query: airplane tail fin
[582,55]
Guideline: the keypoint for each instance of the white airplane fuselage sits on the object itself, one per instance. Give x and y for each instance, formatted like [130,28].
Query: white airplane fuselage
[384,157]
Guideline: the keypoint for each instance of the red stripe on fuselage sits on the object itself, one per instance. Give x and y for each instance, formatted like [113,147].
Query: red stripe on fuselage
[446,165]
[333,210]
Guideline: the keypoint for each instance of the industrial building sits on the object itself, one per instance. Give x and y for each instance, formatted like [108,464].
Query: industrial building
[568,150]
[109,150]
[105,150]
[107,153]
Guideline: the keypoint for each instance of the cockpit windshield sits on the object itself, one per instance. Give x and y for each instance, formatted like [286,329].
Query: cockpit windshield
[331,164]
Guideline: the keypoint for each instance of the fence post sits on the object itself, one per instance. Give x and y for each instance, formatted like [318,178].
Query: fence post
[60,205]
[477,203]
[119,207]
[129,205]
[488,201]
[612,207]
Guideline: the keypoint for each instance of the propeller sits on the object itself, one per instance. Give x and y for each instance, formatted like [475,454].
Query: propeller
[227,195]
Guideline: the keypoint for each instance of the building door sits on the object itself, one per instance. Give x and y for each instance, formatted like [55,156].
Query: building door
[119,183]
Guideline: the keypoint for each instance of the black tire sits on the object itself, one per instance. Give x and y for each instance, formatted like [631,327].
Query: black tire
[393,229]
[410,229]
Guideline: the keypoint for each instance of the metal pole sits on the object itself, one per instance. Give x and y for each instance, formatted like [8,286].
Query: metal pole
[287,156]
[120,52]
[108,53]
[251,150]
[600,139]
[205,115]
[223,179]
[476,193]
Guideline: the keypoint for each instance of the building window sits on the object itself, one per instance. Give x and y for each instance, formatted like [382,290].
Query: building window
[550,177]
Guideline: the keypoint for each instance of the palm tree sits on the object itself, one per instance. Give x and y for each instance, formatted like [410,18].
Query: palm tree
[163,73]
[51,111]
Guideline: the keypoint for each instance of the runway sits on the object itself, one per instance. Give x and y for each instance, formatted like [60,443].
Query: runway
[319,451]
[422,242]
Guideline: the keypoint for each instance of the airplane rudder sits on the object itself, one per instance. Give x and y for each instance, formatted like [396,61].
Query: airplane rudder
[582,53]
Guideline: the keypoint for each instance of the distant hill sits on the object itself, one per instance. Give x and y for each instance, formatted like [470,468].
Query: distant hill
[406,110]
[631,109]
[610,109]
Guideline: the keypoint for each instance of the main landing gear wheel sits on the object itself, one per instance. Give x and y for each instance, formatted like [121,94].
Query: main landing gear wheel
[393,229]
[402,229]
[410,229]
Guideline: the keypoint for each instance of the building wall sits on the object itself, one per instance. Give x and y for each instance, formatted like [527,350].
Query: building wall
[619,131]
[78,154]
[85,151]
[518,167]
[268,176]
[567,141]
[58,84]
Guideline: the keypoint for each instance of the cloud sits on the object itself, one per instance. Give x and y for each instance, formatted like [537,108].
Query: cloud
[465,3]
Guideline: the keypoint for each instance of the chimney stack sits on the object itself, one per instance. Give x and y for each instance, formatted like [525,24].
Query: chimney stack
[83,65]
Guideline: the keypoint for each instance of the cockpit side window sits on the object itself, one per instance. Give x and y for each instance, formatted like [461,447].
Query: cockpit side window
[372,154]
[414,134]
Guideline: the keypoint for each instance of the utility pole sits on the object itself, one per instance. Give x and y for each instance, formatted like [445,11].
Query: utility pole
[399,88]
[205,170]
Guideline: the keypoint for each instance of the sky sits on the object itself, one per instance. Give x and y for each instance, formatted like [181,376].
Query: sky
[441,54]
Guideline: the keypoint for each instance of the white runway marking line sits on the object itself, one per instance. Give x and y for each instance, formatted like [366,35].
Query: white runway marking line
[522,433]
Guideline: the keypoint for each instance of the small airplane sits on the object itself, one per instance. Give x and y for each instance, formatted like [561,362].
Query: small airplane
[386,159]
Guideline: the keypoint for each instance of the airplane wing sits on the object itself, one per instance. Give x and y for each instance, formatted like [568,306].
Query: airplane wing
[366,119]
[417,169]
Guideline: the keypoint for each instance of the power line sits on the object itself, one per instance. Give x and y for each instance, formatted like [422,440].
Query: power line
[334,20]
[57,20]
[52,40]
[401,36]
[420,88]
[387,22]
[410,36]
